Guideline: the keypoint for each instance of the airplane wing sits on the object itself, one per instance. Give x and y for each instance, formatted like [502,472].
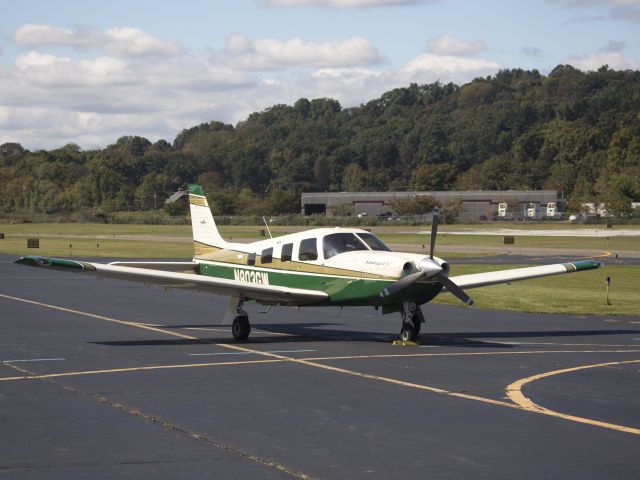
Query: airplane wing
[268,294]
[475,280]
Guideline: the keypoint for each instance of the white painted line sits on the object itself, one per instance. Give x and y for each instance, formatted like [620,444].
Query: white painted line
[34,360]
[262,332]
[564,344]
[248,353]
[430,346]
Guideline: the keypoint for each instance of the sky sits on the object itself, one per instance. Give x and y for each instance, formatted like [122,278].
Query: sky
[89,72]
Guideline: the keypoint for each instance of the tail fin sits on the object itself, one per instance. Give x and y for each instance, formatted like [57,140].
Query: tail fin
[206,237]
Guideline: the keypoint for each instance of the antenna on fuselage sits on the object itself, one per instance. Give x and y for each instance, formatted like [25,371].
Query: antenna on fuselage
[267,225]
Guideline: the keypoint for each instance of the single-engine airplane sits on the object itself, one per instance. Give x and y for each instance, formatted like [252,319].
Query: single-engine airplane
[319,267]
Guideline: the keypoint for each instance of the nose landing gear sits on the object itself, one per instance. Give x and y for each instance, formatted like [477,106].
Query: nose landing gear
[412,320]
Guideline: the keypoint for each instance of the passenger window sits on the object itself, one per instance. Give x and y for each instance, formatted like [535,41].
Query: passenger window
[267,255]
[251,259]
[308,250]
[287,252]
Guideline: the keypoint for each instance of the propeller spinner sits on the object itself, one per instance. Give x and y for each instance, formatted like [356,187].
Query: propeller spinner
[429,268]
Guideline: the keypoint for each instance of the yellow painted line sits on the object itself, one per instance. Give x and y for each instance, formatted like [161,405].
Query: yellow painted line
[290,359]
[100,317]
[134,369]
[313,363]
[514,391]
[463,354]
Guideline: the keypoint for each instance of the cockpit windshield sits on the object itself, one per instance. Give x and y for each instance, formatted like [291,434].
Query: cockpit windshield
[373,242]
[336,243]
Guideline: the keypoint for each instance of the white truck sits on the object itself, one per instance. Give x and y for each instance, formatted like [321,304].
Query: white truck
[503,210]
[552,210]
[532,211]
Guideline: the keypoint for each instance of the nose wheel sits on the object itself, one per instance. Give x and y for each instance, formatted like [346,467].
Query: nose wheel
[412,320]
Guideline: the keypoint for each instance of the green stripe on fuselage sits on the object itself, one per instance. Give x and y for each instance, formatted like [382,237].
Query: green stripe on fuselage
[341,290]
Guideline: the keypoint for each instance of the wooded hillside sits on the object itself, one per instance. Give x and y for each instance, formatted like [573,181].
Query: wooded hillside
[575,132]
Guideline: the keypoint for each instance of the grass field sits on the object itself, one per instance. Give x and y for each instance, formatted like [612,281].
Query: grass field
[577,293]
[581,293]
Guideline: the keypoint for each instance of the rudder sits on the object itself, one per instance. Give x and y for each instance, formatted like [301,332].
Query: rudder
[206,237]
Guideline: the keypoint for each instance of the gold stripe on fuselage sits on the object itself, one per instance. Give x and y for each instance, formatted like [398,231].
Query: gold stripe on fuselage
[202,249]
[240,258]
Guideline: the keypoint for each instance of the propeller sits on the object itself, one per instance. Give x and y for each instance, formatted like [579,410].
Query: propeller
[428,267]
[435,220]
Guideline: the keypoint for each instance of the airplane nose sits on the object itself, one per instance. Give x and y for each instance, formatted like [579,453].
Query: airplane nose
[430,267]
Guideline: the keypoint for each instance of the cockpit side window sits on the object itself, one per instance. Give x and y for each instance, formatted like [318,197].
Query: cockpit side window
[336,243]
[373,242]
[308,250]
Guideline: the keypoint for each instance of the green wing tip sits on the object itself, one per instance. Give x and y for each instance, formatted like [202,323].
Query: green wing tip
[34,261]
[587,264]
[196,189]
[61,263]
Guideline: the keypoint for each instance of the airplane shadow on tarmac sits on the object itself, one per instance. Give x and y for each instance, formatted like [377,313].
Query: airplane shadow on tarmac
[317,332]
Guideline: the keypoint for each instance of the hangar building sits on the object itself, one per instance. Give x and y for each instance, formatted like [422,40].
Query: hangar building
[473,205]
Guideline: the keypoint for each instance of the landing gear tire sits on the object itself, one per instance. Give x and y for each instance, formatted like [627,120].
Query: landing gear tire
[240,328]
[408,332]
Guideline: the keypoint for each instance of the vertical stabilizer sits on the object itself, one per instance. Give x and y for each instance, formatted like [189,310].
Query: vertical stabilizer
[206,237]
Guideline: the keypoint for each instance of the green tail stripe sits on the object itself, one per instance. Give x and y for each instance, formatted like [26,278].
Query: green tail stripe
[196,189]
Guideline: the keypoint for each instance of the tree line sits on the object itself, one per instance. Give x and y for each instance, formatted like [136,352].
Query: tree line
[572,131]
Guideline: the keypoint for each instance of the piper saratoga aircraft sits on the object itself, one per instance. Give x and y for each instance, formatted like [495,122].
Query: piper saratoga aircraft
[319,267]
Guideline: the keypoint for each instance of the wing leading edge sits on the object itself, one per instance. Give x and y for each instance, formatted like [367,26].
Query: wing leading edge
[171,279]
[475,280]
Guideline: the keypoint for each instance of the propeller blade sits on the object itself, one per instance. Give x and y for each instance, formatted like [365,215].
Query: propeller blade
[434,230]
[401,284]
[454,289]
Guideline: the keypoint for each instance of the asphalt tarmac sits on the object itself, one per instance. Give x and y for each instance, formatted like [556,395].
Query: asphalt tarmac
[105,379]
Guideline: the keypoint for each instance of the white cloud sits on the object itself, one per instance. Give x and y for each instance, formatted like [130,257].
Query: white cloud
[356,85]
[593,61]
[338,3]
[449,67]
[119,41]
[47,100]
[51,70]
[266,53]
[611,54]
[448,45]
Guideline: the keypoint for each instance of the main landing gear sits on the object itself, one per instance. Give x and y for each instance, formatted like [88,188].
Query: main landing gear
[412,320]
[240,327]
